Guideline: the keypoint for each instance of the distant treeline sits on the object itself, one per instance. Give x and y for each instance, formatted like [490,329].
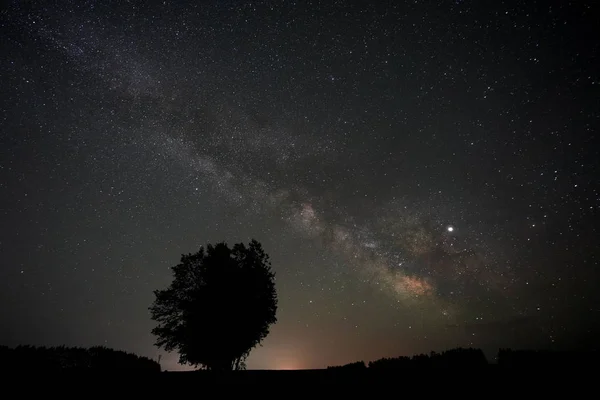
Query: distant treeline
[454,357]
[541,358]
[73,358]
[470,357]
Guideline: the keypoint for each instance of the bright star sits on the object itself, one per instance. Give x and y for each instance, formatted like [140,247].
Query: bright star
[450,228]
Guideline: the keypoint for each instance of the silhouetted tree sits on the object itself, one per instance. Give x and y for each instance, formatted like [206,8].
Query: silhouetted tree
[218,307]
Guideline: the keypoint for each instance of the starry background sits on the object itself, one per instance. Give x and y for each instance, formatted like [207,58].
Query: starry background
[423,174]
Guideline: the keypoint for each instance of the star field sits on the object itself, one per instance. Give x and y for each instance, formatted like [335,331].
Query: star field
[422,174]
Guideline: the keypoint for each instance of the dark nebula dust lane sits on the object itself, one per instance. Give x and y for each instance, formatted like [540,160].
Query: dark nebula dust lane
[423,175]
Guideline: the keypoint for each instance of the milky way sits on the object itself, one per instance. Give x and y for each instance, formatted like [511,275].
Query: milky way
[419,173]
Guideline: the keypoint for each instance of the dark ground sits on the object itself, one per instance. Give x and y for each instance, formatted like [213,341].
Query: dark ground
[488,381]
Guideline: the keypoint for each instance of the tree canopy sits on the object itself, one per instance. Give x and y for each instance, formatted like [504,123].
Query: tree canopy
[218,307]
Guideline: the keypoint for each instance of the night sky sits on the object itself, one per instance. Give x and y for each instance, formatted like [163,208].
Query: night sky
[423,174]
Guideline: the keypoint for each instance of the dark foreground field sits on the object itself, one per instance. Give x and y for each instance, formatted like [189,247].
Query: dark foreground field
[490,381]
[491,373]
